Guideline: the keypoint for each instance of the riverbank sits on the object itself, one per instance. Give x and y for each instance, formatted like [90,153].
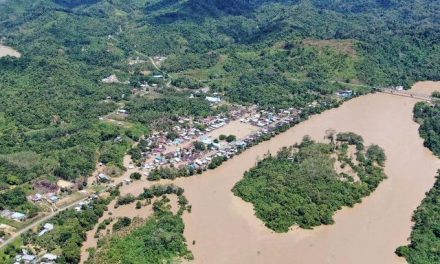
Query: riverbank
[226,231]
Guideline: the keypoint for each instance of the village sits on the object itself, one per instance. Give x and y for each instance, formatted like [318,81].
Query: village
[28,257]
[192,146]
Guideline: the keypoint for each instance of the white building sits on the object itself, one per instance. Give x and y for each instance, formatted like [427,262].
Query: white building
[111,79]
[214,100]
[46,228]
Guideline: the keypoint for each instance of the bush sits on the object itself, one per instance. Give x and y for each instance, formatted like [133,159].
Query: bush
[121,223]
[135,176]
[123,200]
[199,146]
[231,138]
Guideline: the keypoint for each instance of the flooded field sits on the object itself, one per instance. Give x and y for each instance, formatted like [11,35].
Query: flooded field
[5,51]
[128,210]
[240,130]
[226,230]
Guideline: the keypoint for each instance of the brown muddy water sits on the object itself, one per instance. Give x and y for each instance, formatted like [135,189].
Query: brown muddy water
[226,231]
[128,210]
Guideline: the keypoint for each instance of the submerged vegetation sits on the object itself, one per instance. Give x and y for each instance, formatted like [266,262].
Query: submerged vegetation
[300,185]
[158,239]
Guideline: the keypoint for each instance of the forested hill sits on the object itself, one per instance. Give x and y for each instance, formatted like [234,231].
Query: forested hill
[278,54]
[397,40]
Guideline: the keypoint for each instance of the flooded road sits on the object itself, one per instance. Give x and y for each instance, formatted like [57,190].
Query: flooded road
[226,230]
[5,51]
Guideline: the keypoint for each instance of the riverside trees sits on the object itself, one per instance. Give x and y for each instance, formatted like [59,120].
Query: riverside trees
[429,118]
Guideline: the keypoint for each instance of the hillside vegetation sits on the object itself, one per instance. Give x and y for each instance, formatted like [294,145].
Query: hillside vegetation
[271,53]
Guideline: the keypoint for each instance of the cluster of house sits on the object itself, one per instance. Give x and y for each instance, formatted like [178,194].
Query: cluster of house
[213,99]
[188,156]
[87,202]
[16,216]
[195,159]
[145,86]
[159,59]
[110,79]
[49,192]
[179,156]
[135,61]
[113,79]
[50,197]
[398,88]
[187,130]
[267,120]
[27,257]
[345,93]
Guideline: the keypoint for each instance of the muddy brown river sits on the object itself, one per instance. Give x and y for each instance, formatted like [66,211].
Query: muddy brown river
[225,229]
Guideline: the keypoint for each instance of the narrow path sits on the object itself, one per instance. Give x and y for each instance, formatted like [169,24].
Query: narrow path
[40,221]
[154,64]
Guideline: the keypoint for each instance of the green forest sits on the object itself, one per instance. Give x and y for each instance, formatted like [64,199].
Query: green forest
[60,116]
[425,236]
[70,227]
[428,116]
[300,185]
[271,53]
[158,239]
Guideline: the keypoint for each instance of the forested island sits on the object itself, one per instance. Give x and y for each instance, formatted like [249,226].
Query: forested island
[306,184]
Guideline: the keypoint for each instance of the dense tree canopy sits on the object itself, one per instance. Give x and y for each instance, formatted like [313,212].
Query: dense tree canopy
[425,237]
[429,118]
[159,240]
[301,186]
[272,53]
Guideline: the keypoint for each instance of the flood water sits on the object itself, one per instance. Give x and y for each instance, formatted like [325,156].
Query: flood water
[226,230]
[5,51]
